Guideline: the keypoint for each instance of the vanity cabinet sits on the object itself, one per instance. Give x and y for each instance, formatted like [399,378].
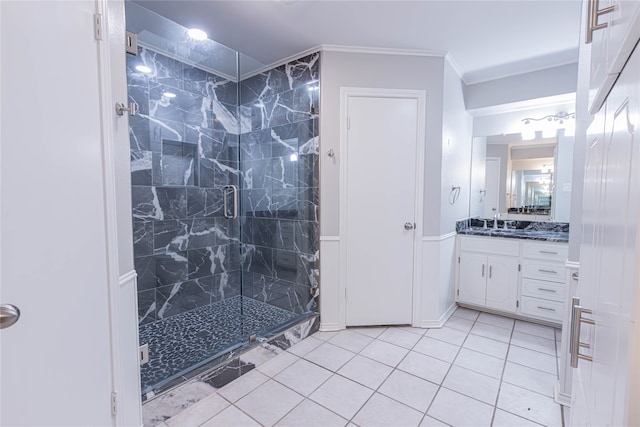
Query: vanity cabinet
[512,276]
[488,273]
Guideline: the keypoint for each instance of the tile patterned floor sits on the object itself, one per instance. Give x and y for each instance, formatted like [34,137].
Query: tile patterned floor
[478,370]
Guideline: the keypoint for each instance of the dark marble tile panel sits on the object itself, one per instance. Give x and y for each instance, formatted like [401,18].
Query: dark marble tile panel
[201,82]
[302,71]
[227,230]
[224,375]
[146,270]
[292,138]
[262,85]
[226,285]
[139,133]
[225,117]
[202,233]
[285,234]
[185,107]
[180,171]
[257,259]
[259,231]
[141,167]
[171,268]
[256,145]
[163,129]
[172,201]
[257,203]
[204,262]
[156,170]
[284,172]
[138,93]
[307,236]
[146,307]
[181,297]
[226,173]
[165,71]
[207,173]
[170,236]
[255,173]
[286,295]
[142,238]
[145,204]
[307,171]
[204,202]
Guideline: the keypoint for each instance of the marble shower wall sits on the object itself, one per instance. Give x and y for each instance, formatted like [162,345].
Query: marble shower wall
[279,164]
[184,150]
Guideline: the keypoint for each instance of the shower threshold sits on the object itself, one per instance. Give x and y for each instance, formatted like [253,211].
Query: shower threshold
[193,343]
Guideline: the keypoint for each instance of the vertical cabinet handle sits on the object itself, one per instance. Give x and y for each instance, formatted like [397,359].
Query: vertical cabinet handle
[593,13]
[490,270]
[482,270]
[576,323]
[233,190]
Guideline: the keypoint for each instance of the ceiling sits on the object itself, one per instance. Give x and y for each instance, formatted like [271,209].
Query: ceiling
[486,39]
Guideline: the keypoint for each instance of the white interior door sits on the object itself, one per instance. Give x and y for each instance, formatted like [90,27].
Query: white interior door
[492,184]
[55,361]
[381,209]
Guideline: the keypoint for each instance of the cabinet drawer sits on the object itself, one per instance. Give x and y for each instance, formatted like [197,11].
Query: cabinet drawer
[490,245]
[553,272]
[551,310]
[540,289]
[546,251]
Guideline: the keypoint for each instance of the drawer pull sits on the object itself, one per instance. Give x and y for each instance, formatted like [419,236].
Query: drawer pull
[546,308]
[547,271]
[549,252]
[547,290]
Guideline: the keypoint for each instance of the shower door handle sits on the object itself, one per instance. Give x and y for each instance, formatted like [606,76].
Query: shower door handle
[225,194]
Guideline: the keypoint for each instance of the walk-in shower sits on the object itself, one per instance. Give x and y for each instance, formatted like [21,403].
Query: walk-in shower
[224,173]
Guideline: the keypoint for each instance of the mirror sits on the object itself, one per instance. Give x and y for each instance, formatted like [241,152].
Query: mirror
[521,180]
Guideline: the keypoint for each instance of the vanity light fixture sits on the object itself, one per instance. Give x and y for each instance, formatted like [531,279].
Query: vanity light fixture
[143,69]
[551,123]
[197,34]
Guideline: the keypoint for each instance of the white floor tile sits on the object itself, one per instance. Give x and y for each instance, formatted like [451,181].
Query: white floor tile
[310,414]
[269,402]
[199,412]
[231,417]
[436,348]
[529,405]
[532,342]
[466,313]
[303,377]
[409,389]
[278,363]
[329,356]
[472,384]
[305,346]
[366,371]
[495,320]
[325,336]
[533,359]
[243,385]
[505,419]
[399,337]
[370,331]
[534,329]
[459,323]
[342,396]
[382,411]
[459,410]
[350,340]
[486,345]
[425,367]
[452,336]
[384,352]
[479,362]
[427,421]
[418,331]
[529,378]
[491,331]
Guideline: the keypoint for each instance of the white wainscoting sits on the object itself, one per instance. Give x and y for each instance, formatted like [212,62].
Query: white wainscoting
[332,303]
[438,280]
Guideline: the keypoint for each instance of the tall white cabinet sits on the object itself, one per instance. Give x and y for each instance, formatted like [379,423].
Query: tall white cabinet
[606,338]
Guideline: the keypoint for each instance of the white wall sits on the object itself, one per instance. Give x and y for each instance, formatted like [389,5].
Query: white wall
[457,128]
[537,84]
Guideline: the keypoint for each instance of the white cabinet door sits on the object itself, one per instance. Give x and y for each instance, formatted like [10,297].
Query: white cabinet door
[473,278]
[502,283]
[609,253]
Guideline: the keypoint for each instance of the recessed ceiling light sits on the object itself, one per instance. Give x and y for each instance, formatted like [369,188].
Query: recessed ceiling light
[197,34]
[143,69]
[169,94]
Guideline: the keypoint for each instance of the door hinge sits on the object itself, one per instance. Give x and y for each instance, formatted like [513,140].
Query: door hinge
[458,260]
[348,122]
[114,403]
[458,292]
[517,304]
[519,266]
[97,26]
[131,43]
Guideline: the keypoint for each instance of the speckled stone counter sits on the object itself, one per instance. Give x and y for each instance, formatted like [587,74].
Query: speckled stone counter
[529,230]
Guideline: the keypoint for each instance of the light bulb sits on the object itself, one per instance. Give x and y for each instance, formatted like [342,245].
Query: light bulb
[143,68]
[169,94]
[197,34]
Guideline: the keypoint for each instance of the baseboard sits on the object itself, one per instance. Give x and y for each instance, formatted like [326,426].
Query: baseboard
[434,324]
[330,327]
[561,398]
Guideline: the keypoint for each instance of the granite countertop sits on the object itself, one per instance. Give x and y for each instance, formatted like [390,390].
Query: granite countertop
[529,230]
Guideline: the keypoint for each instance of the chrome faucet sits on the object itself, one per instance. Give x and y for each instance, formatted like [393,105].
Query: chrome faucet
[495,221]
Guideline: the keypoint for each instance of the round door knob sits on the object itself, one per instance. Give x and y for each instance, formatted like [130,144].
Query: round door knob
[409,226]
[9,314]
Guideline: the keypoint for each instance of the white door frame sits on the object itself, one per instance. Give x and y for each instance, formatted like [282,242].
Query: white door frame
[420,96]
